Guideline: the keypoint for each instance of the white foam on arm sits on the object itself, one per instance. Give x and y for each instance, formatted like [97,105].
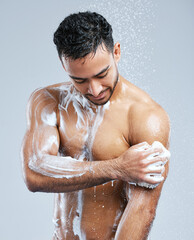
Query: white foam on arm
[58,167]
[45,162]
[65,166]
[45,159]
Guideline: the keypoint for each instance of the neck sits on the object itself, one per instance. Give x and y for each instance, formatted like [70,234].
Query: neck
[117,90]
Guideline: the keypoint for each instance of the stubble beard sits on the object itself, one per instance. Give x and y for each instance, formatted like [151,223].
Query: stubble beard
[111,92]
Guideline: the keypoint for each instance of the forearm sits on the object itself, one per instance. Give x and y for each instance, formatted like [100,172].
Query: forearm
[139,213]
[69,174]
[65,174]
[136,228]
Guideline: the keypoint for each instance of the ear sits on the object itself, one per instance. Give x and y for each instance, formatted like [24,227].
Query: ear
[117,52]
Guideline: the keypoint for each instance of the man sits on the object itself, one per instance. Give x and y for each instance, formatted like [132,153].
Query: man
[89,139]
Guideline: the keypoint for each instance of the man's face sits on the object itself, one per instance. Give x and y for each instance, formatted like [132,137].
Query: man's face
[95,76]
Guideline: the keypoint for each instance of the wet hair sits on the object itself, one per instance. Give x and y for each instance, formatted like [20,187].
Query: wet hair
[81,33]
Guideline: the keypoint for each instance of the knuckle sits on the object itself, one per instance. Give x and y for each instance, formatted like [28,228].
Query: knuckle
[158,159]
[141,171]
[143,178]
[139,178]
[163,159]
[145,143]
[141,155]
[143,164]
[157,149]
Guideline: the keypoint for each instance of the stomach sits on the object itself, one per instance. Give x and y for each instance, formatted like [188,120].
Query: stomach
[89,214]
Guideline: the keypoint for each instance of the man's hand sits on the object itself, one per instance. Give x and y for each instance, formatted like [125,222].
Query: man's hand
[143,164]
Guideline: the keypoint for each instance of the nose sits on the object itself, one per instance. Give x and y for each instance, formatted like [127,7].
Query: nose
[95,87]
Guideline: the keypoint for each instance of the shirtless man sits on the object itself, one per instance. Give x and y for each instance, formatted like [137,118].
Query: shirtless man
[98,142]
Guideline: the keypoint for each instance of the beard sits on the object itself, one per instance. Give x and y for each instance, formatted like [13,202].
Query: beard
[109,88]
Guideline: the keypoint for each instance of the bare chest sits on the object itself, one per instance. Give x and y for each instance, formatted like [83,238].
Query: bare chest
[93,134]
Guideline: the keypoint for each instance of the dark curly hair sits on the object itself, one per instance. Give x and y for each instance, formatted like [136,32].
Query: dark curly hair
[81,33]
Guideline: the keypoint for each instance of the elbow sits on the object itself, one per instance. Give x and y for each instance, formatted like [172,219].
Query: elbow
[32,188]
[32,180]
[31,184]
[29,176]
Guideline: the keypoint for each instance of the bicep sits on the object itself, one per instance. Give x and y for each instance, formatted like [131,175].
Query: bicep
[151,125]
[45,140]
[42,135]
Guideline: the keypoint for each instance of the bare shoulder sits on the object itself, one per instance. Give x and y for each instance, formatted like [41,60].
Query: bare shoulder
[49,93]
[148,121]
[43,104]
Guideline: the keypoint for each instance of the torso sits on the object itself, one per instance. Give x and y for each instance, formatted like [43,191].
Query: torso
[93,213]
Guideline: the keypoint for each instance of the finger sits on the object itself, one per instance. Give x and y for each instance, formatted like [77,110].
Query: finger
[157,144]
[150,182]
[152,152]
[158,160]
[153,179]
[142,146]
[166,154]
[154,170]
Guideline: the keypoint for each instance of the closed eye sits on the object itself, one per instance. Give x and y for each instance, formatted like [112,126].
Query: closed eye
[79,81]
[99,76]
[103,75]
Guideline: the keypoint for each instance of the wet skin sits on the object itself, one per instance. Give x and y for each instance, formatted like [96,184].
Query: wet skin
[108,211]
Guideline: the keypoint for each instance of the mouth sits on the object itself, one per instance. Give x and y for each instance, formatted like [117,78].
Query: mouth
[101,96]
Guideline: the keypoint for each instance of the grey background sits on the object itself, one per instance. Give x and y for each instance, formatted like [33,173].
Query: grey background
[157,55]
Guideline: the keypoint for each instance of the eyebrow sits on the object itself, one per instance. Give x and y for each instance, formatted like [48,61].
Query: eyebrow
[102,71]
